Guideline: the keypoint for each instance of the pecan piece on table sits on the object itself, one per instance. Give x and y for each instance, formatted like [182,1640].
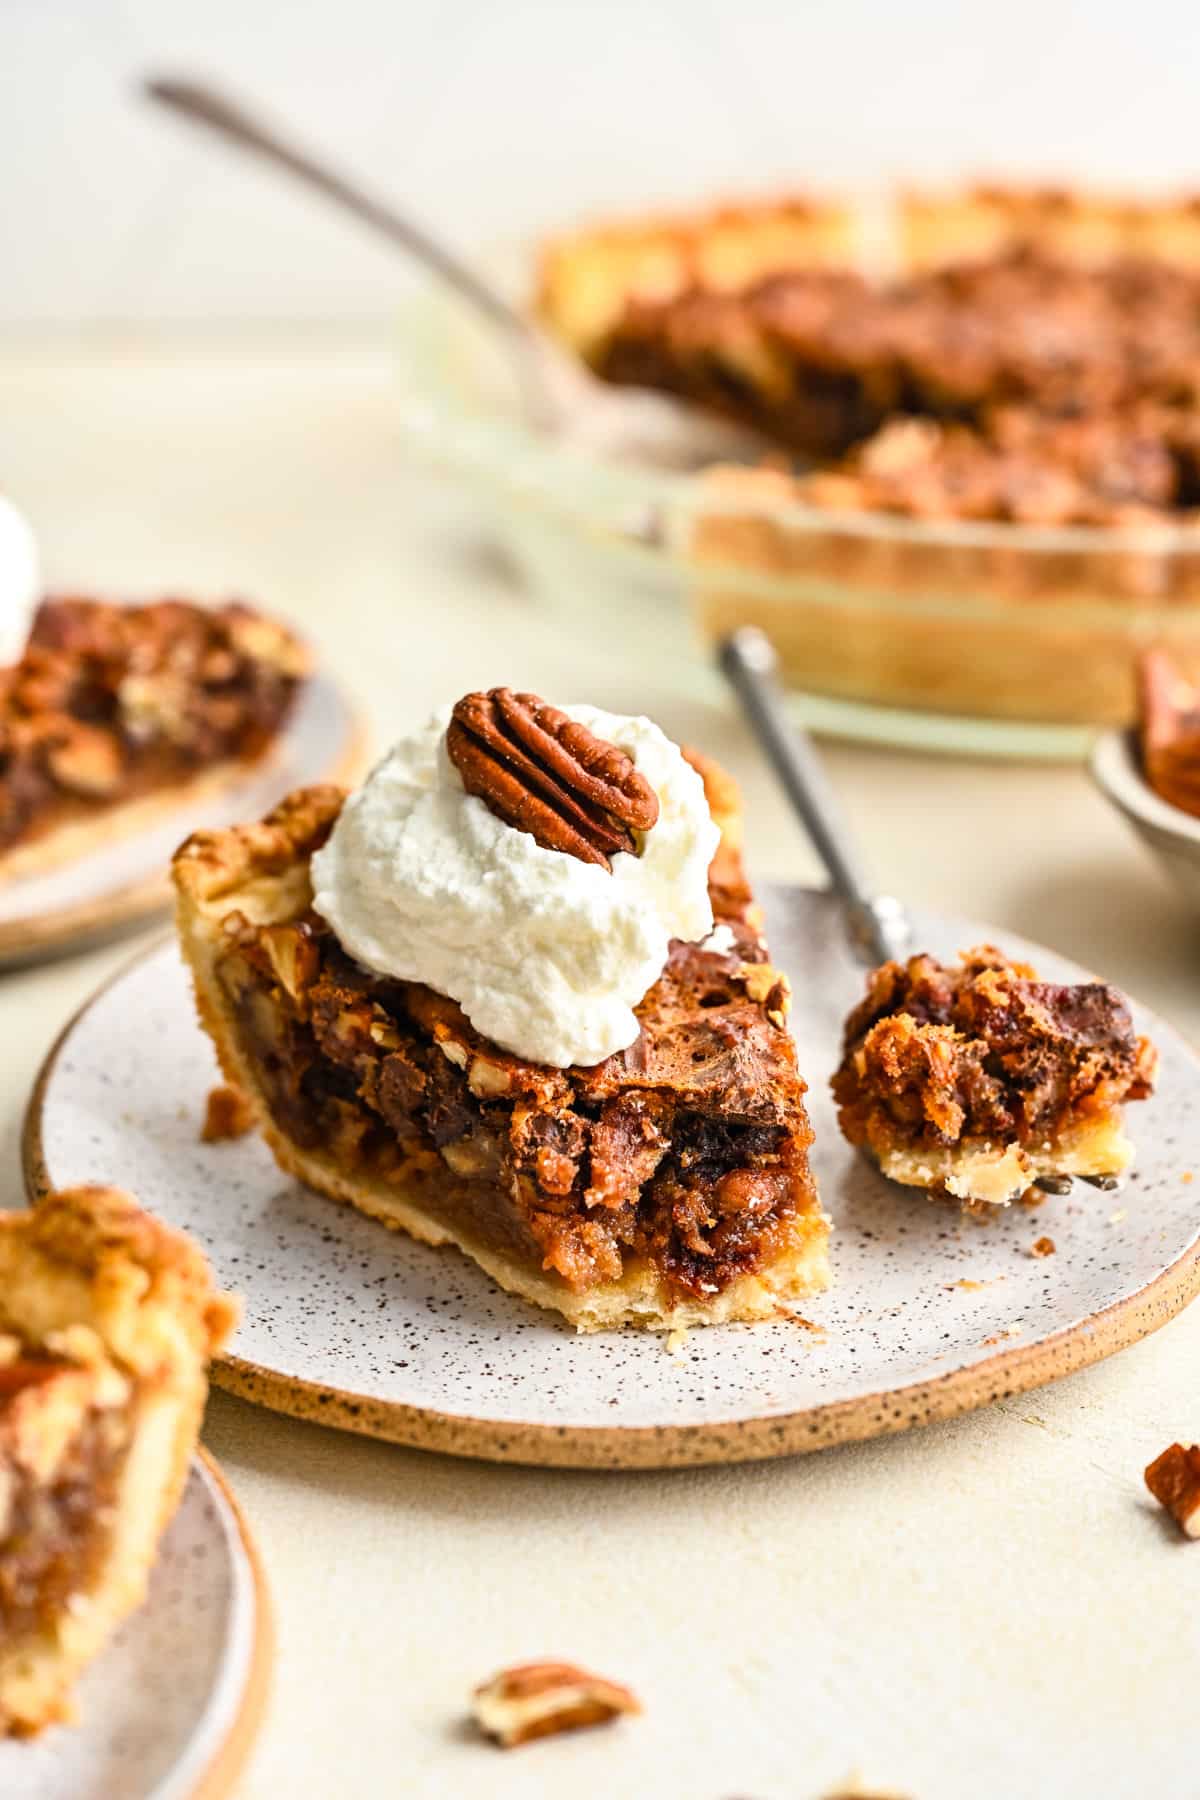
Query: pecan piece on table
[1174,1480]
[534,1700]
[542,772]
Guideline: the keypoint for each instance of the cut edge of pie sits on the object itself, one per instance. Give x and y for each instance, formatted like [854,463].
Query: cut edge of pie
[260,872]
[107,1322]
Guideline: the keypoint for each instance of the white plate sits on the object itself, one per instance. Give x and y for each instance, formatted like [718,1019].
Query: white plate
[169,1707]
[114,888]
[353,1324]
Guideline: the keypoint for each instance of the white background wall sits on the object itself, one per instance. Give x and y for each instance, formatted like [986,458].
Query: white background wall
[496,117]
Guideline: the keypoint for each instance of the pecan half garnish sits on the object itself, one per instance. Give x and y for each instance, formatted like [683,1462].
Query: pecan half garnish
[544,773]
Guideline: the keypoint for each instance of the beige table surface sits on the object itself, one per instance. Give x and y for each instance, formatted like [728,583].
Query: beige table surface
[987,1608]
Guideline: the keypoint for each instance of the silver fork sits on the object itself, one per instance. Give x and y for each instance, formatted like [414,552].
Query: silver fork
[877,924]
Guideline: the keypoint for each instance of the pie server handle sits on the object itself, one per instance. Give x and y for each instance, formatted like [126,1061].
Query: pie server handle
[878,925]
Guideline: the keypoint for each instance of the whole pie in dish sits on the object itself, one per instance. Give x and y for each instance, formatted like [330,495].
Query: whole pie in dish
[664,1185]
[107,1321]
[1067,382]
[986,494]
[116,714]
[974,1080]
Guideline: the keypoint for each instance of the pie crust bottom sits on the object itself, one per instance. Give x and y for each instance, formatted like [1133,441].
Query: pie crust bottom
[993,1174]
[99,827]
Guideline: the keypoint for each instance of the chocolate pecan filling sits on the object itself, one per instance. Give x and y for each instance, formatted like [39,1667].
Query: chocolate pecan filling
[54,1533]
[984,1052]
[1050,392]
[686,1150]
[109,703]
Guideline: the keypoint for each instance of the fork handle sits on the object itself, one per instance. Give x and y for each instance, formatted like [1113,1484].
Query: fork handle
[877,924]
[210,107]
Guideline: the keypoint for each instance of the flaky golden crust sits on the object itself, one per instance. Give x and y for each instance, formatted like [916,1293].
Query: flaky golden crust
[261,873]
[118,1316]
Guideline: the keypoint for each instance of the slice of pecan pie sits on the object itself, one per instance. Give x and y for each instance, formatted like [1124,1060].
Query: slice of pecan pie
[107,1320]
[114,714]
[975,1080]
[667,1184]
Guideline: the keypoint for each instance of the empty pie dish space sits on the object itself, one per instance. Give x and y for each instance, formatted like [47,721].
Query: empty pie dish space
[171,1706]
[112,888]
[930,1314]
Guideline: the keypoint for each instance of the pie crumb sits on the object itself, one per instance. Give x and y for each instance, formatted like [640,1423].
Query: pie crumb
[1043,1246]
[228,1114]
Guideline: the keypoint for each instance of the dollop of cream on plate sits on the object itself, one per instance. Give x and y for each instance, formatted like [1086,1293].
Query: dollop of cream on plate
[546,955]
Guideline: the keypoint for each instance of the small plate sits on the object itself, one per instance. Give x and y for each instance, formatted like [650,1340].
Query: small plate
[930,1315]
[112,890]
[169,1709]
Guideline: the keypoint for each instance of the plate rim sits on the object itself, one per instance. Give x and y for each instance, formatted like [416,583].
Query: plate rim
[219,1777]
[37,937]
[883,1412]
[223,1761]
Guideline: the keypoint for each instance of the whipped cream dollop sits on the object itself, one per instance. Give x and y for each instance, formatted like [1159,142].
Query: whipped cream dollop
[546,955]
[18,581]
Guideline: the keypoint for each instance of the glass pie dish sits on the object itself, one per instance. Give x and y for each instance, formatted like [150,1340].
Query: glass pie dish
[985,638]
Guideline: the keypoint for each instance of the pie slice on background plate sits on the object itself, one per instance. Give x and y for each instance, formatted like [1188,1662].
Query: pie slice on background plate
[667,1185]
[107,1322]
[115,715]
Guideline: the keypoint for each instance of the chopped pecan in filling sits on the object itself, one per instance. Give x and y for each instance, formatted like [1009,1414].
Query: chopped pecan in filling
[109,703]
[983,1053]
[686,1150]
[54,1530]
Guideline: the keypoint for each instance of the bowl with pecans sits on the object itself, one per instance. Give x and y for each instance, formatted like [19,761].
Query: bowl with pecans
[1151,773]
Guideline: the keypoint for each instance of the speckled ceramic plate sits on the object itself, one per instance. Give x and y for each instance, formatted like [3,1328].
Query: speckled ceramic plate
[168,1711]
[113,889]
[346,1322]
